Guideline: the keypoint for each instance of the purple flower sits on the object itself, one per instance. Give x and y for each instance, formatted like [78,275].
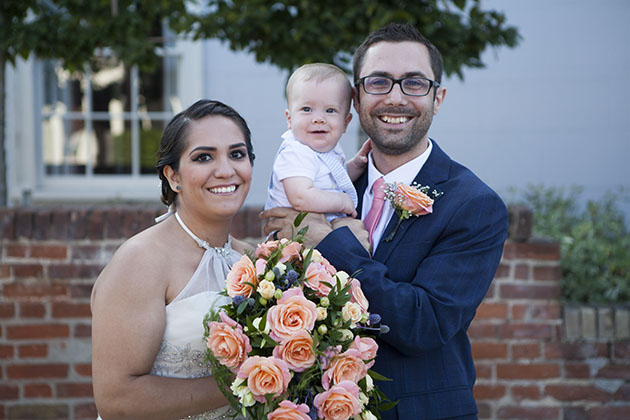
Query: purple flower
[237,300]
[374,319]
[289,279]
[292,277]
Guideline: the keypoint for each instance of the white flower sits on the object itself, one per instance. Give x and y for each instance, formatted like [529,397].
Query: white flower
[247,400]
[256,323]
[369,383]
[316,256]
[266,289]
[322,313]
[343,278]
[237,387]
[367,415]
[351,312]
[346,334]
[281,268]
[363,399]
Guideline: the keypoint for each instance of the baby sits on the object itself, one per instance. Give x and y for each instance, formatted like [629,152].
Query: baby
[309,171]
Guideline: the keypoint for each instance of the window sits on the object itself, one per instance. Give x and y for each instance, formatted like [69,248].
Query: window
[97,132]
[106,121]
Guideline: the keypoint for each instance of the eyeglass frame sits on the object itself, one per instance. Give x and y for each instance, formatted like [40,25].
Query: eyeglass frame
[361,82]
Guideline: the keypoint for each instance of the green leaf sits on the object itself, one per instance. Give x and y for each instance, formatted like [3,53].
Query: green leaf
[387,406]
[241,307]
[270,341]
[298,219]
[378,377]
[263,322]
[461,4]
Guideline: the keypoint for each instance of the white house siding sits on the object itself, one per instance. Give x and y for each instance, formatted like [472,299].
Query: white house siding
[554,110]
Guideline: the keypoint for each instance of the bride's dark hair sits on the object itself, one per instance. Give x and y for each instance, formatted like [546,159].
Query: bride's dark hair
[175,137]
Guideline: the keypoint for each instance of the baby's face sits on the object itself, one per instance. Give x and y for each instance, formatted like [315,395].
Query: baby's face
[318,113]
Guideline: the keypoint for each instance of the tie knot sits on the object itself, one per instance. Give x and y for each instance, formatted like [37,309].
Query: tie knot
[378,189]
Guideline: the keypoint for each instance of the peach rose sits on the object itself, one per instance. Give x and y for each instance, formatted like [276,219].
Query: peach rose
[292,313]
[339,402]
[328,266]
[367,347]
[413,200]
[265,249]
[291,251]
[265,375]
[357,295]
[316,273]
[347,366]
[227,342]
[289,411]
[241,273]
[296,351]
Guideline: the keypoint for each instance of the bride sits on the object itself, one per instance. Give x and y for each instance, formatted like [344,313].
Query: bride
[148,303]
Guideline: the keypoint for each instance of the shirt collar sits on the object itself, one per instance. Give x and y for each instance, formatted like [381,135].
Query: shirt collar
[405,173]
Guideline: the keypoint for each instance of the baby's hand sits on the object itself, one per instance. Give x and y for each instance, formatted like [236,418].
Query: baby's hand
[348,206]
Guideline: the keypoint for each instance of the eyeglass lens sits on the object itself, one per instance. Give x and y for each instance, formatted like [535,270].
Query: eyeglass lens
[410,86]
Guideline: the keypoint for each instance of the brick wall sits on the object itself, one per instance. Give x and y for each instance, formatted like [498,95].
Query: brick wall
[539,359]
[528,366]
[49,259]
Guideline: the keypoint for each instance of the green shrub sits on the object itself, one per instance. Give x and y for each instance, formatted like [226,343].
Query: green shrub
[594,238]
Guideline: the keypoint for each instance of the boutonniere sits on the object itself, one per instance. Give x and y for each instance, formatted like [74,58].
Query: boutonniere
[409,200]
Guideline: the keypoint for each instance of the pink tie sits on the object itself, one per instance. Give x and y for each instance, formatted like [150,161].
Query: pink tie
[373,216]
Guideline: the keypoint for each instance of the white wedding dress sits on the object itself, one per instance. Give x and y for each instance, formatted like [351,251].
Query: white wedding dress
[182,350]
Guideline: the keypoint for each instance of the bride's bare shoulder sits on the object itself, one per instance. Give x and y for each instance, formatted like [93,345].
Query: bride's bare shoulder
[147,247]
[140,262]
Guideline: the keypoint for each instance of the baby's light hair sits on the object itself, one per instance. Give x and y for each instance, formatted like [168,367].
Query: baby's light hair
[319,72]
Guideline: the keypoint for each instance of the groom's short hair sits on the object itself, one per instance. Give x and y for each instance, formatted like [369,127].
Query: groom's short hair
[397,32]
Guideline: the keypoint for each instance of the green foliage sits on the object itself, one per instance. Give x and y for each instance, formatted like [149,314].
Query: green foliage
[594,239]
[332,334]
[74,30]
[288,33]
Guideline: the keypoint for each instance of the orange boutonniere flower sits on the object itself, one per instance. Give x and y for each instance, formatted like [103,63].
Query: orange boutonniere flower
[409,200]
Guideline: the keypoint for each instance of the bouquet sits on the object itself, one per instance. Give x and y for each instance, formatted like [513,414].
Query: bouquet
[294,342]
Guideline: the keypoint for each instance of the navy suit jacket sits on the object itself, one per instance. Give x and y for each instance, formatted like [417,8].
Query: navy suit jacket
[426,284]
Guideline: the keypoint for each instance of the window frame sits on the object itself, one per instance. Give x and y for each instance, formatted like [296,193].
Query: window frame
[91,187]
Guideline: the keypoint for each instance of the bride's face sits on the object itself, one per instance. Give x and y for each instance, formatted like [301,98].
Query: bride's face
[214,170]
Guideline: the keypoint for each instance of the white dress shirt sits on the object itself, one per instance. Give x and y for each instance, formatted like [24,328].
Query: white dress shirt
[405,173]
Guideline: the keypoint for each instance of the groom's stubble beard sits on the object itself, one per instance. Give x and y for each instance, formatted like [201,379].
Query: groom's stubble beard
[392,143]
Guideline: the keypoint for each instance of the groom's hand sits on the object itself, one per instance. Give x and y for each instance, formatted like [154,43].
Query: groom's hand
[357,227]
[280,220]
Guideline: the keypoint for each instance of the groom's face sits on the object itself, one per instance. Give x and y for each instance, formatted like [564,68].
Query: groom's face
[397,123]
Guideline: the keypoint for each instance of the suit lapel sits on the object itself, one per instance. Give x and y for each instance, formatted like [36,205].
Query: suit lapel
[360,185]
[434,172]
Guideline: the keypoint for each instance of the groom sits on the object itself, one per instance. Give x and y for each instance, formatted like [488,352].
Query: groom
[427,276]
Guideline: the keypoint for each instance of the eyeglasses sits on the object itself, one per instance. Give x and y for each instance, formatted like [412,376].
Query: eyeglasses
[382,85]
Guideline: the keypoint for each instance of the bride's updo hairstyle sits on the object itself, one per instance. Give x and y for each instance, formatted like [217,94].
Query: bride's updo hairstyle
[175,136]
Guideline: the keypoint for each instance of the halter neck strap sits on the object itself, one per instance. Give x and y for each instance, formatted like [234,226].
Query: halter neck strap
[203,244]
